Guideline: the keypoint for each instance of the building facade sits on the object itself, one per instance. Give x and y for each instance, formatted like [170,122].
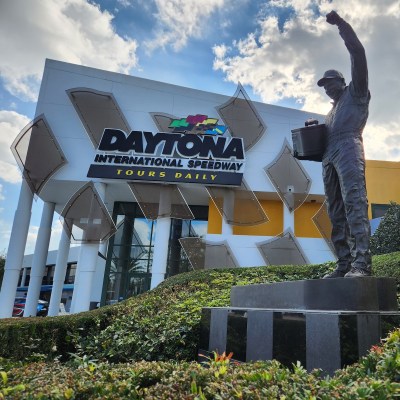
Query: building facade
[154,179]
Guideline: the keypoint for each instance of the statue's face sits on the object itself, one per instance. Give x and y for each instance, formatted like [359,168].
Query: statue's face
[334,88]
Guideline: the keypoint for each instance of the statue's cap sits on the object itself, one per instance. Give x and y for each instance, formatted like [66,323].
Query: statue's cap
[330,74]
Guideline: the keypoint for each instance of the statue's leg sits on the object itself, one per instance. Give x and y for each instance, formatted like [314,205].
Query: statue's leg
[350,167]
[336,212]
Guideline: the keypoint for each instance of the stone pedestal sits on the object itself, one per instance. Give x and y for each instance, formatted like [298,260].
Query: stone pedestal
[323,324]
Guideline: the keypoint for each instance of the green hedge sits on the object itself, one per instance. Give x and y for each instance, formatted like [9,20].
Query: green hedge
[51,336]
[162,324]
[376,376]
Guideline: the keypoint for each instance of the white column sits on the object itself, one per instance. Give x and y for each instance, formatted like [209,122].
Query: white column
[161,241]
[86,268]
[59,273]
[84,277]
[16,249]
[288,218]
[229,206]
[23,279]
[39,260]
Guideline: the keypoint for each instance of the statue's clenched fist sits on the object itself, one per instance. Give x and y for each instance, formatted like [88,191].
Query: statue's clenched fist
[333,18]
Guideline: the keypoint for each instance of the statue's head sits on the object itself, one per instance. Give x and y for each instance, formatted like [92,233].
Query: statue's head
[333,83]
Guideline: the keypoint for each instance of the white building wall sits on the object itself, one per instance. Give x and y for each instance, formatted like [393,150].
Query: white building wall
[138,97]
[52,257]
[247,254]
[73,256]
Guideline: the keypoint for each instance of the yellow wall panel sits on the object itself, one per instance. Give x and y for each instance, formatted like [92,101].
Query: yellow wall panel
[383,186]
[274,210]
[303,223]
[214,219]
[383,182]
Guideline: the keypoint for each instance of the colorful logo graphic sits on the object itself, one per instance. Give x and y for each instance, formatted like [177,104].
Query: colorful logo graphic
[198,124]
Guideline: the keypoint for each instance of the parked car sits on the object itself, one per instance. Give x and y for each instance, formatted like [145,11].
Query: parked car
[19,306]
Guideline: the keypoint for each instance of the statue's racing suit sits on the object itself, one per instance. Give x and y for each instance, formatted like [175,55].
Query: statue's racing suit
[343,163]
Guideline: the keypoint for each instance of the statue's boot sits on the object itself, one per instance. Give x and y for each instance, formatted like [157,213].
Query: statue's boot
[340,271]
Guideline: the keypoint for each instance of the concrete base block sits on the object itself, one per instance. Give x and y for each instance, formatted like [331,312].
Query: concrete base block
[355,294]
[323,323]
[325,340]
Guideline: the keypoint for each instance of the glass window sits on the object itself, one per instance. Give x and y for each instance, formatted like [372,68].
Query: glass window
[379,210]
[70,274]
[48,275]
[130,250]
[177,259]
[129,259]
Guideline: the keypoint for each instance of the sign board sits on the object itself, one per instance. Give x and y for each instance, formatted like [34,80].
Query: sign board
[180,156]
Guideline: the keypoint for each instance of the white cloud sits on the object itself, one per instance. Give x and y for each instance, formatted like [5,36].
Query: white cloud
[56,231]
[179,20]
[124,3]
[283,62]
[220,51]
[11,123]
[274,63]
[68,30]
[1,196]
[381,142]
[31,239]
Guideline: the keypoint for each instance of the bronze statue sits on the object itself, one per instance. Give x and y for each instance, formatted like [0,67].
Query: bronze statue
[343,162]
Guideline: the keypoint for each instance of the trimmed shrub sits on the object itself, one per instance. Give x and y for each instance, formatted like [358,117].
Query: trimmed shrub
[162,324]
[49,337]
[376,376]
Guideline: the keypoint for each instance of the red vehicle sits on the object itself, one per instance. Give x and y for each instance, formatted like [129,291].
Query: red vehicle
[19,306]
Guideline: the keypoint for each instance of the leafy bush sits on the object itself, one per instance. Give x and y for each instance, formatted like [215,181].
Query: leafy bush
[386,238]
[376,376]
[162,324]
[49,337]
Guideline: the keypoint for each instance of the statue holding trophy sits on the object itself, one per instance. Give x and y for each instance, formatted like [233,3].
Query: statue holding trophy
[343,162]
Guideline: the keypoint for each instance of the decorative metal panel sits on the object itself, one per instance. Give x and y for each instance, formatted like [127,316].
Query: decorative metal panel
[289,178]
[97,111]
[162,121]
[242,118]
[203,254]
[37,153]
[160,201]
[282,250]
[239,205]
[86,217]
[323,224]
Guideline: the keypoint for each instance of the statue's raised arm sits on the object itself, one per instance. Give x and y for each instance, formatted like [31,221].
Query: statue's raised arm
[359,70]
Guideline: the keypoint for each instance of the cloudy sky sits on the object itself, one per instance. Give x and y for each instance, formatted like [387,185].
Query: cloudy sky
[277,49]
